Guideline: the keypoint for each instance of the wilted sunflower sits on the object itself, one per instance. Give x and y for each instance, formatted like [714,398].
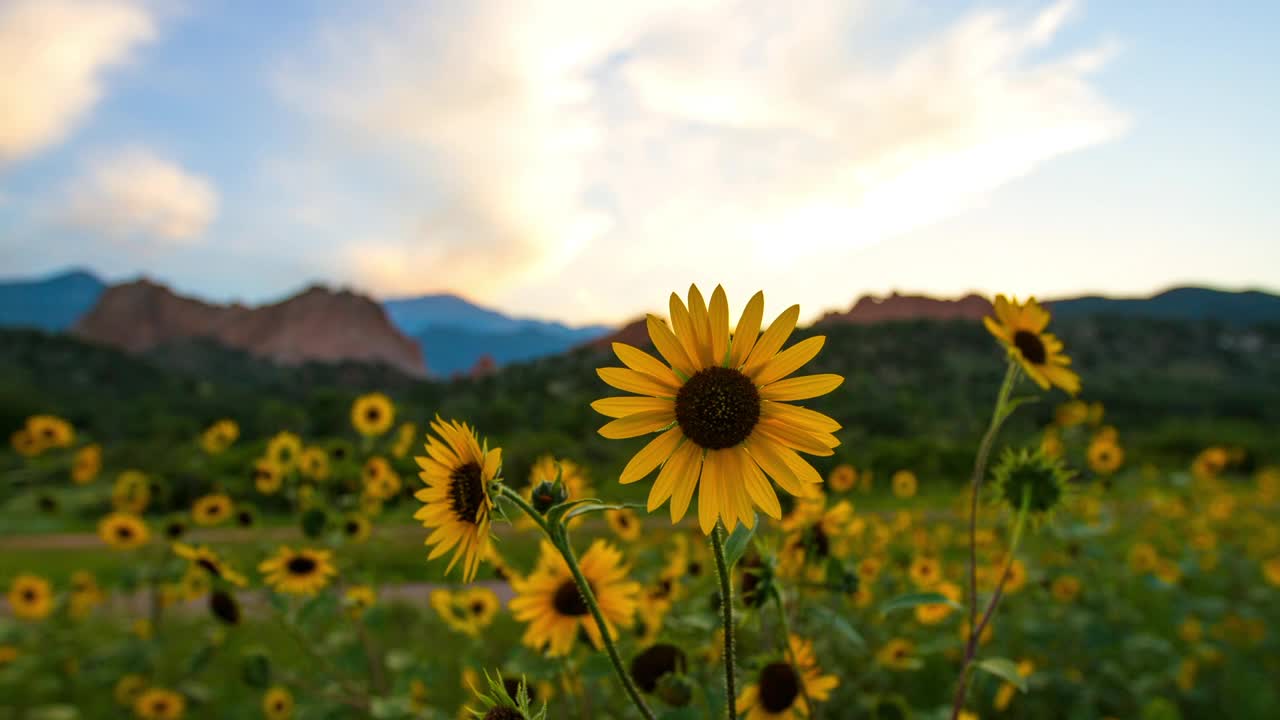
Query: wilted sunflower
[624,524]
[131,492]
[721,404]
[284,450]
[123,531]
[549,600]
[314,463]
[86,464]
[219,436]
[1020,328]
[781,688]
[30,597]
[357,528]
[300,572]
[372,414]
[160,704]
[457,471]
[213,509]
[207,560]
[277,704]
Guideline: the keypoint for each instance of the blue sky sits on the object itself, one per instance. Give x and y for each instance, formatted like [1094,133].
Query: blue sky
[570,162]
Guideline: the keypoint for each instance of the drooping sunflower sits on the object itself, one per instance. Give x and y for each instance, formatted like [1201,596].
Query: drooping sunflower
[86,464]
[123,531]
[219,436]
[298,572]
[624,524]
[549,600]
[1020,328]
[277,703]
[207,560]
[284,450]
[372,414]
[160,704]
[30,597]
[721,404]
[781,687]
[314,463]
[213,509]
[457,470]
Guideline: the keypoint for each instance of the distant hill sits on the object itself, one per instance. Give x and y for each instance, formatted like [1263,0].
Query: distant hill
[1188,303]
[870,309]
[317,325]
[457,334]
[54,303]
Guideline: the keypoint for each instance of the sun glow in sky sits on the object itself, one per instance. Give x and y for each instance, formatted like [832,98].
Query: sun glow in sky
[580,160]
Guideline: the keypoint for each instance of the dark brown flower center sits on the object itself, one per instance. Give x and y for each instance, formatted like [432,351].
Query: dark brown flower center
[124,532]
[224,607]
[568,601]
[209,566]
[353,527]
[512,686]
[1031,347]
[300,565]
[466,492]
[29,595]
[779,686]
[372,414]
[175,529]
[718,407]
[504,712]
[649,666]
[477,608]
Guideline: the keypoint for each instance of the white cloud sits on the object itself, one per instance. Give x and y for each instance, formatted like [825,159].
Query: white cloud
[54,54]
[604,140]
[135,194]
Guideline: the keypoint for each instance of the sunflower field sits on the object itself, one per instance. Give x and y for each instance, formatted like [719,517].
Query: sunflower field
[741,520]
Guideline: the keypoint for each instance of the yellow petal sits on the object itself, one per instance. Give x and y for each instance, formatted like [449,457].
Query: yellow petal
[748,329]
[629,380]
[682,494]
[766,454]
[673,471]
[802,418]
[801,388]
[653,454]
[682,326]
[719,323]
[616,407]
[710,501]
[810,442]
[772,339]
[643,362]
[789,360]
[669,345]
[638,424]
[757,485]
[699,319]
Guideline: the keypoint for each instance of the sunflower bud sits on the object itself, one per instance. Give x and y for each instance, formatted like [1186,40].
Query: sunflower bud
[547,495]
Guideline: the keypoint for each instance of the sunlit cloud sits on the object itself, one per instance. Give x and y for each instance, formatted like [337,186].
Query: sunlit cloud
[55,55]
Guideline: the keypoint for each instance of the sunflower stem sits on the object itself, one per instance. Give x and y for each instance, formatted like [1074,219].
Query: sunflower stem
[786,645]
[559,537]
[726,611]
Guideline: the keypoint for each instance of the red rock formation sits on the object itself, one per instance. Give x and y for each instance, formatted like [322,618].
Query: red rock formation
[484,366]
[318,325]
[869,309]
[634,333]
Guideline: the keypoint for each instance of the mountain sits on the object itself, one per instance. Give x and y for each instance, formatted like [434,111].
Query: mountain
[458,334]
[319,325]
[1249,307]
[870,309]
[54,303]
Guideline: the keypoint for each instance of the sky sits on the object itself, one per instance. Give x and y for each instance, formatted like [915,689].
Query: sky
[580,160]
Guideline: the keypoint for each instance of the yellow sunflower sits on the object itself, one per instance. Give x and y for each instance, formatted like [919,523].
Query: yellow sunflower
[129,688]
[86,464]
[212,509]
[897,654]
[357,599]
[467,611]
[457,471]
[123,531]
[159,704]
[314,463]
[284,450]
[380,480]
[300,572]
[904,484]
[50,431]
[1105,456]
[781,687]
[843,478]
[549,601]
[277,704]
[1065,588]
[267,477]
[207,560]
[720,402]
[219,436]
[30,597]
[926,571]
[357,528]
[131,492]
[934,613]
[624,523]
[405,435]
[1271,571]
[815,532]
[372,414]
[8,653]
[1020,328]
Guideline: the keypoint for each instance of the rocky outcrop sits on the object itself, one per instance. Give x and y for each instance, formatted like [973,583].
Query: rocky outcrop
[635,333]
[870,309]
[317,325]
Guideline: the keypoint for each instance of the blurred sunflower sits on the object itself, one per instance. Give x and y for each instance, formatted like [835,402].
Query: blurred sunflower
[358,599]
[24,443]
[8,653]
[457,471]
[1033,475]
[277,704]
[1006,693]
[131,492]
[128,689]
[159,704]
[85,594]
[904,484]
[357,528]
[372,414]
[380,480]
[313,463]
[1065,588]
[624,524]
[549,600]
[1105,456]
[1271,571]
[123,531]
[897,654]
[1143,557]
[934,613]
[653,663]
[466,611]
[842,478]
[405,436]
[926,571]
[815,532]
[284,449]
[208,561]
[213,509]
[300,572]
[50,431]
[1020,328]
[219,436]
[781,688]
[720,402]
[86,464]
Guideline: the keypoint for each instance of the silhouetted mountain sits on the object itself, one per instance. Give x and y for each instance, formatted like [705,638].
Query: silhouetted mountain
[1249,307]
[53,303]
[870,309]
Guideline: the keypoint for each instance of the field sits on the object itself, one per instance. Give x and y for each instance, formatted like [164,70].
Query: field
[196,534]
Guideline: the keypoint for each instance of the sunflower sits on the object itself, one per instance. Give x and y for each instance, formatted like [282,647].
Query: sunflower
[266,476]
[505,700]
[30,597]
[219,436]
[1065,588]
[357,528]
[814,533]
[457,470]
[1143,558]
[904,484]
[357,599]
[300,572]
[50,431]
[277,704]
[404,440]
[782,689]
[1105,456]
[284,450]
[8,653]
[86,464]
[195,584]
[843,478]
[159,704]
[656,662]
[720,403]
[897,655]
[207,560]
[131,492]
[314,463]
[1020,328]
[123,531]
[926,571]
[624,524]
[1030,475]
[934,613]
[549,600]
[467,611]
[212,509]
[85,594]
[372,414]
[1006,693]
[1271,571]
[129,688]
[380,480]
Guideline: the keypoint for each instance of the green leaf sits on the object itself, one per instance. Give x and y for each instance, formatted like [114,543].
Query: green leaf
[911,600]
[840,624]
[255,669]
[1006,670]
[555,516]
[594,506]
[739,539]
[1014,404]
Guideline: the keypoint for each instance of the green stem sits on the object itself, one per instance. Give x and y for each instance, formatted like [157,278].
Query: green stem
[329,668]
[975,486]
[559,537]
[786,644]
[726,610]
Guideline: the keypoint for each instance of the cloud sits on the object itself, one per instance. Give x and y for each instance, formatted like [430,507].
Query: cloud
[55,54]
[615,139]
[135,194]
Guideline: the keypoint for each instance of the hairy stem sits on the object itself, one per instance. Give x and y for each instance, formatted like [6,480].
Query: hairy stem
[726,611]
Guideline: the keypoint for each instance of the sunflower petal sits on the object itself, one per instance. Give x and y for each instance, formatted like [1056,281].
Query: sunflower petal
[699,318]
[643,362]
[673,471]
[766,453]
[814,443]
[747,330]
[789,360]
[772,339]
[801,388]
[685,485]
[653,454]
[711,504]
[629,380]
[639,424]
[719,323]
[669,346]
[682,327]
[757,485]
[616,407]
[801,418]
